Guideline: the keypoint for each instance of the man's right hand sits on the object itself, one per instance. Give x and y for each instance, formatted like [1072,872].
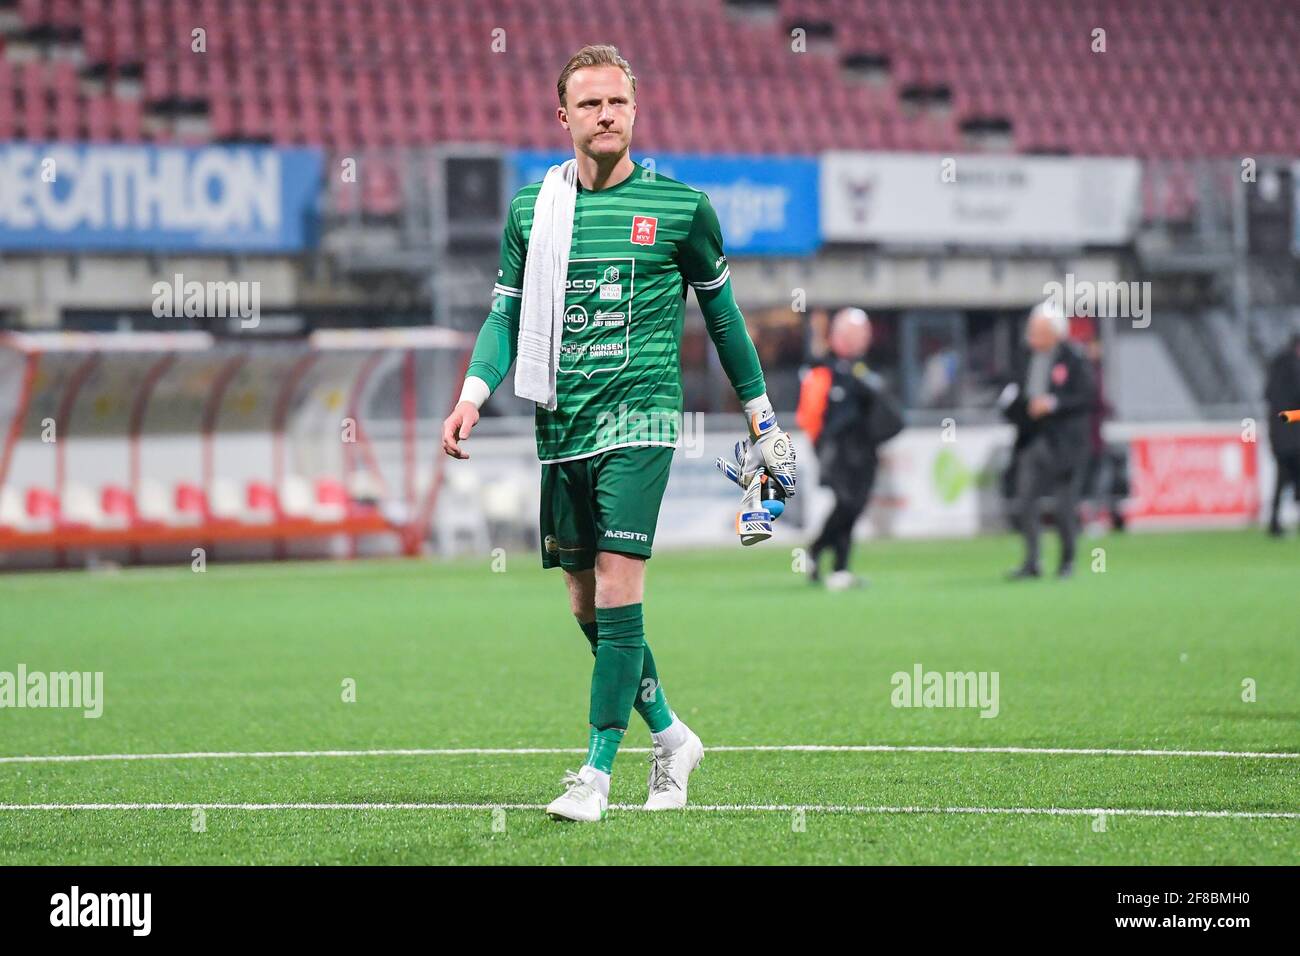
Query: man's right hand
[1040,406]
[457,427]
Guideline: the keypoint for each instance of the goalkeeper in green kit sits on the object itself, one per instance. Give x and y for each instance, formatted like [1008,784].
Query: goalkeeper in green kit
[588,306]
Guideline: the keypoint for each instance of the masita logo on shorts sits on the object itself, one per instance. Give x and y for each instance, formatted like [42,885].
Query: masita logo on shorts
[627,535]
[103,909]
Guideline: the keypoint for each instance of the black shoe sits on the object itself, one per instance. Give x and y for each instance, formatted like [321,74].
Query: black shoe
[1066,570]
[1275,531]
[1024,572]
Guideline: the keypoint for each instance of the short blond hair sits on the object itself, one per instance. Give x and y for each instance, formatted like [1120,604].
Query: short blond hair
[600,54]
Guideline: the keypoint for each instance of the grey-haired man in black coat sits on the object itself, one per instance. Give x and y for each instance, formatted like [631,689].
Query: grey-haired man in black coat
[1049,404]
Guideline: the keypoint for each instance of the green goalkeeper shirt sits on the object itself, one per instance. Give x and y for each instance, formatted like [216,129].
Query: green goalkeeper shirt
[636,247]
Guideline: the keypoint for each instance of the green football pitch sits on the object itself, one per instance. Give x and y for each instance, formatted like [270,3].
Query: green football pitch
[231,690]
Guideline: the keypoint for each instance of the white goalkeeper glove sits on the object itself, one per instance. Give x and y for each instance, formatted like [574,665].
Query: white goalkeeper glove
[762,500]
[769,447]
[765,471]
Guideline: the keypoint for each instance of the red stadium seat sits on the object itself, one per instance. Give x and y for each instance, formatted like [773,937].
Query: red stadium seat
[331,493]
[261,497]
[42,505]
[191,501]
[117,504]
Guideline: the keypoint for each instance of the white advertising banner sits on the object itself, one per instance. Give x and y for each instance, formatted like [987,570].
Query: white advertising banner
[922,198]
[925,487]
[930,483]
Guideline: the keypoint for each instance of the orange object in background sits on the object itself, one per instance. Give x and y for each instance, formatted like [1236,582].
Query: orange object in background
[813,395]
[1291,416]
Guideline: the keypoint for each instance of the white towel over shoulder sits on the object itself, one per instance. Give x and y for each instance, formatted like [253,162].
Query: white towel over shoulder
[541,318]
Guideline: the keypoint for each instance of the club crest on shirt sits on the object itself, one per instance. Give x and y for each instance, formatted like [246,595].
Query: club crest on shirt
[1059,374]
[643,230]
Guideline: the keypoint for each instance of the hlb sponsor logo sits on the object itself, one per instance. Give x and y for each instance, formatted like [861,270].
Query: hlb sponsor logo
[575,318]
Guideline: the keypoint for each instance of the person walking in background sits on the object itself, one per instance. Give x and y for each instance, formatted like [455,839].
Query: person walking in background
[1050,404]
[1105,478]
[847,414]
[1282,392]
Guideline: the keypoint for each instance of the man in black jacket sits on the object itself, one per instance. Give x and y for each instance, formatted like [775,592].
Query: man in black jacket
[847,414]
[1049,405]
[1282,392]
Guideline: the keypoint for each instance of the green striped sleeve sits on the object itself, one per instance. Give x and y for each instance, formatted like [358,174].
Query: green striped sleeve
[498,339]
[704,264]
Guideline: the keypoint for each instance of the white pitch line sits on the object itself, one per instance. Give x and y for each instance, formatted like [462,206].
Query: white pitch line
[236,754]
[716,808]
[1077,751]
[745,748]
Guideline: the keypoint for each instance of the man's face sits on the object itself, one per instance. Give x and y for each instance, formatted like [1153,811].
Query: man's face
[599,111]
[850,340]
[1040,335]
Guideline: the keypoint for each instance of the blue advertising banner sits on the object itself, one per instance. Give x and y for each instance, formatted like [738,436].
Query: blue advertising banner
[69,197]
[767,204]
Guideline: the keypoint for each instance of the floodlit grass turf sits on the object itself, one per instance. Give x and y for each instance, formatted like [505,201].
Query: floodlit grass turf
[1150,654]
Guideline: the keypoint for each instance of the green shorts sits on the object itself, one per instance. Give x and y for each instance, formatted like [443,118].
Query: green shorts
[607,502]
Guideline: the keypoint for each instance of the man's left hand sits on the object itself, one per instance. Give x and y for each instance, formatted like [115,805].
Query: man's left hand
[770,448]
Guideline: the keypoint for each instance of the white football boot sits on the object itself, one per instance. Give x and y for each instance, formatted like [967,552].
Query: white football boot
[581,801]
[844,581]
[669,772]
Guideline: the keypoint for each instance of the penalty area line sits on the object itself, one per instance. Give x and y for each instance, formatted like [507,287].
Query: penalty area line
[742,748]
[714,808]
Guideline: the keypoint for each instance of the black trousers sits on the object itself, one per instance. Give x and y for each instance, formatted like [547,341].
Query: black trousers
[852,492]
[1288,473]
[1041,470]
[1105,482]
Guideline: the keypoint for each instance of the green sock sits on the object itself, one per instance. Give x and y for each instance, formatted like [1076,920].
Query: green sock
[620,649]
[602,745]
[654,711]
